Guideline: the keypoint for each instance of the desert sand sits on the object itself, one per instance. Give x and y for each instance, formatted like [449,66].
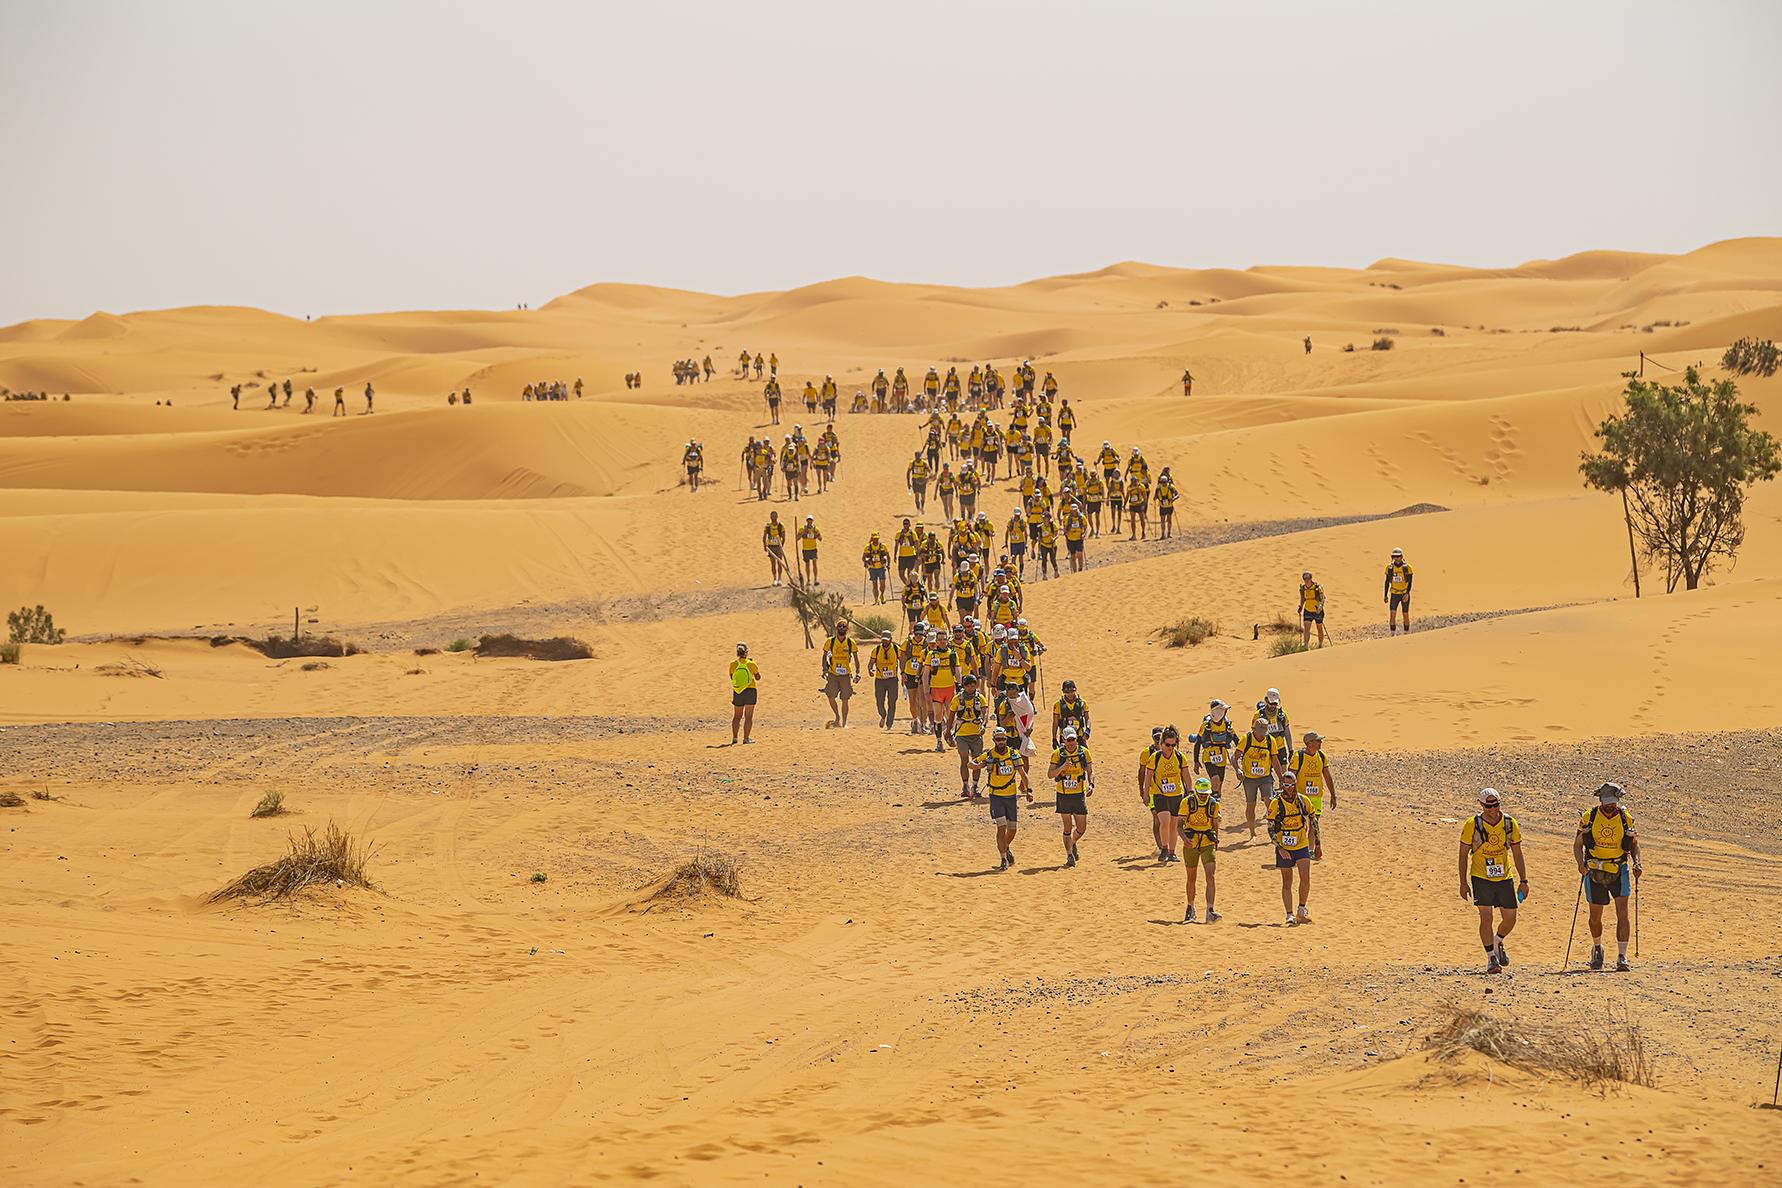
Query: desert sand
[881,1006]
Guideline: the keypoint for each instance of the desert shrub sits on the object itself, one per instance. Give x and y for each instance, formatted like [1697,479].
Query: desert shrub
[429,651]
[1349,348]
[9,653]
[875,625]
[1565,329]
[1187,633]
[275,647]
[1596,1053]
[1751,356]
[317,666]
[1382,343]
[271,805]
[1438,332]
[539,876]
[1286,645]
[703,874]
[42,794]
[33,624]
[309,861]
[815,608]
[559,647]
[460,645]
[1279,625]
[10,799]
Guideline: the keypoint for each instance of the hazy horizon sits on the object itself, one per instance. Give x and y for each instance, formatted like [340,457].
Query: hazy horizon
[341,159]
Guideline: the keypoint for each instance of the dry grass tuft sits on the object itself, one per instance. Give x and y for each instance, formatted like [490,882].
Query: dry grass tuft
[9,653]
[271,805]
[1287,645]
[1279,625]
[1614,1050]
[1187,633]
[309,861]
[10,799]
[560,647]
[702,875]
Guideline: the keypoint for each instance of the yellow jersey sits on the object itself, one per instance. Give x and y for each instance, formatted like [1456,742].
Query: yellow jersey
[1605,837]
[1257,756]
[1311,597]
[883,661]
[1004,767]
[841,654]
[968,714]
[1199,815]
[1072,769]
[743,674]
[1290,821]
[1491,846]
[1168,773]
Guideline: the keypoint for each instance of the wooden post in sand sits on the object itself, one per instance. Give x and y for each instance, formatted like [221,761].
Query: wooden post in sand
[296,624]
[1632,556]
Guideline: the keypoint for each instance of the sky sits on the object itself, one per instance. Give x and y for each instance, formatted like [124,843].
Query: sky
[326,157]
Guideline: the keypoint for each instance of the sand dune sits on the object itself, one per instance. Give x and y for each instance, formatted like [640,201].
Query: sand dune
[515,1003]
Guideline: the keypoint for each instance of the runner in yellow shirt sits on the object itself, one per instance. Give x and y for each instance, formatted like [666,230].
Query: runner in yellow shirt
[1311,610]
[1293,828]
[1487,844]
[1074,770]
[1198,822]
[841,672]
[884,668]
[1397,592]
[808,536]
[1006,771]
[745,682]
[1608,854]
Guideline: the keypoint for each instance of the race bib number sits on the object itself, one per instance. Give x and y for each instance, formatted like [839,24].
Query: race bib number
[1494,870]
[841,668]
[1290,841]
[1168,786]
[1070,782]
[1005,768]
[1256,770]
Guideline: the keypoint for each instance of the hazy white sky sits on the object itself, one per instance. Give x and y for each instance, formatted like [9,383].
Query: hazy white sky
[323,157]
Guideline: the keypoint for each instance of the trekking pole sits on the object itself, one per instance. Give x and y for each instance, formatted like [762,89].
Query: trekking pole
[1574,931]
[1636,917]
[1776,1093]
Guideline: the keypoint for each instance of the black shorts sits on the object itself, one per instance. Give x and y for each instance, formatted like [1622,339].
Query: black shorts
[1017,547]
[1002,808]
[810,554]
[931,573]
[1312,616]
[1497,893]
[1216,772]
[910,682]
[966,605]
[1403,600]
[746,697]
[1071,802]
[1166,804]
[1073,546]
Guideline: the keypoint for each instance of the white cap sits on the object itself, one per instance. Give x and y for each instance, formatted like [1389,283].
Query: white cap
[1070,732]
[1020,622]
[1273,697]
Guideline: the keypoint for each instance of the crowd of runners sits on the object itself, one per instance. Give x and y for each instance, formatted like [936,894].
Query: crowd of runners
[969,671]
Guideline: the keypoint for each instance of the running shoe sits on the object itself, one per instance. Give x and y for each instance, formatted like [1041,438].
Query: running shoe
[1491,965]
[1290,920]
[1188,916]
[1621,965]
[1596,957]
[1305,916]
[1503,954]
[1070,860]
[1213,917]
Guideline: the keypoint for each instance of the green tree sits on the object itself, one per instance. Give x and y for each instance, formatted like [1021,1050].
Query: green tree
[1682,457]
[33,624]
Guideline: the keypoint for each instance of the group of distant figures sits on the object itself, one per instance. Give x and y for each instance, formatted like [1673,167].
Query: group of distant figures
[274,389]
[771,364]
[691,371]
[552,390]
[9,394]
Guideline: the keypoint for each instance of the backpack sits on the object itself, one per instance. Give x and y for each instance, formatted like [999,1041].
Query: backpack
[1605,872]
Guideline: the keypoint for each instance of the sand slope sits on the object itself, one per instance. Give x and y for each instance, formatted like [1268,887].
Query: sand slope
[883,1007]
